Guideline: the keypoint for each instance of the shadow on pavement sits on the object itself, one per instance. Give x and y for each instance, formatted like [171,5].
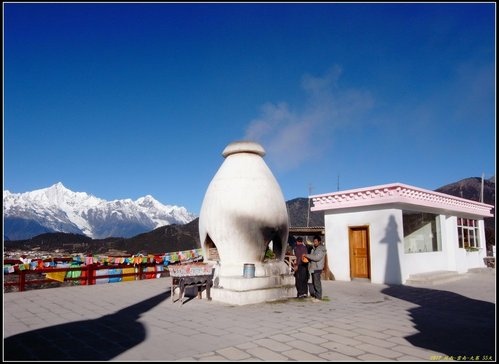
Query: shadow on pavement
[99,339]
[449,323]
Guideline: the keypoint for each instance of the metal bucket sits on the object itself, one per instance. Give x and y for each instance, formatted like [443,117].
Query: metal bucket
[249,270]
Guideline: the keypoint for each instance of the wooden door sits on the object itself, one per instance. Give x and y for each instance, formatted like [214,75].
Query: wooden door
[359,252]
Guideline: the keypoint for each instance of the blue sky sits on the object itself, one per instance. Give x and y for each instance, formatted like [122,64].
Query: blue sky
[123,100]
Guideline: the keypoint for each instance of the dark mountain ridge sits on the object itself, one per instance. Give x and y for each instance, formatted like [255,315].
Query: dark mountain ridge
[176,237]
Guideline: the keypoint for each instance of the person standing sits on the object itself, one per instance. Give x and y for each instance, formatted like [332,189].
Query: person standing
[317,257]
[301,269]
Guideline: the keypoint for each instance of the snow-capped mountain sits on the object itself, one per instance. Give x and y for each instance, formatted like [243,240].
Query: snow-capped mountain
[58,209]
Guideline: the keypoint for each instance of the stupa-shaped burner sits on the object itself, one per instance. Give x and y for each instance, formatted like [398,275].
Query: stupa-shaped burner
[243,213]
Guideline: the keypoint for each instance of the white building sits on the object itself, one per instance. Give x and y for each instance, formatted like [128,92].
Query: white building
[388,233]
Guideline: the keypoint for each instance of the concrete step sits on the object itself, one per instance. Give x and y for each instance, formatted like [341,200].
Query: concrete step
[432,278]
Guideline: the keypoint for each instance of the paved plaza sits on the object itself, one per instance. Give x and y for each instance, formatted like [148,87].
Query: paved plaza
[357,321]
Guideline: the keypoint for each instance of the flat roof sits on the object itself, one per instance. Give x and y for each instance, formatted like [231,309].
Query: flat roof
[398,193]
[306,230]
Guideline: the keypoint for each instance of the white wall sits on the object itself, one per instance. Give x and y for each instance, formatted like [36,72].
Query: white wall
[449,242]
[424,262]
[388,262]
[385,240]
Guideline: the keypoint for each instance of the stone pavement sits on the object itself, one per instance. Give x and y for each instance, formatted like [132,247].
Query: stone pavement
[357,321]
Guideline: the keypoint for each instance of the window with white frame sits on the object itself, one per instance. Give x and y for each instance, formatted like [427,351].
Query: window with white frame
[468,233]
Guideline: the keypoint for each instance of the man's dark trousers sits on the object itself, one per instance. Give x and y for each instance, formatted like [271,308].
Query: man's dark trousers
[301,279]
[316,283]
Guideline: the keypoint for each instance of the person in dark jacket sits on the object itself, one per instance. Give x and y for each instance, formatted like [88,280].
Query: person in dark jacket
[301,269]
[317,258]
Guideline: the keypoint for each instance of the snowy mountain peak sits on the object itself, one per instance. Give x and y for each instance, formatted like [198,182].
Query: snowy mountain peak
[58,196]
[150,202]
[58,185]
[58,209]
